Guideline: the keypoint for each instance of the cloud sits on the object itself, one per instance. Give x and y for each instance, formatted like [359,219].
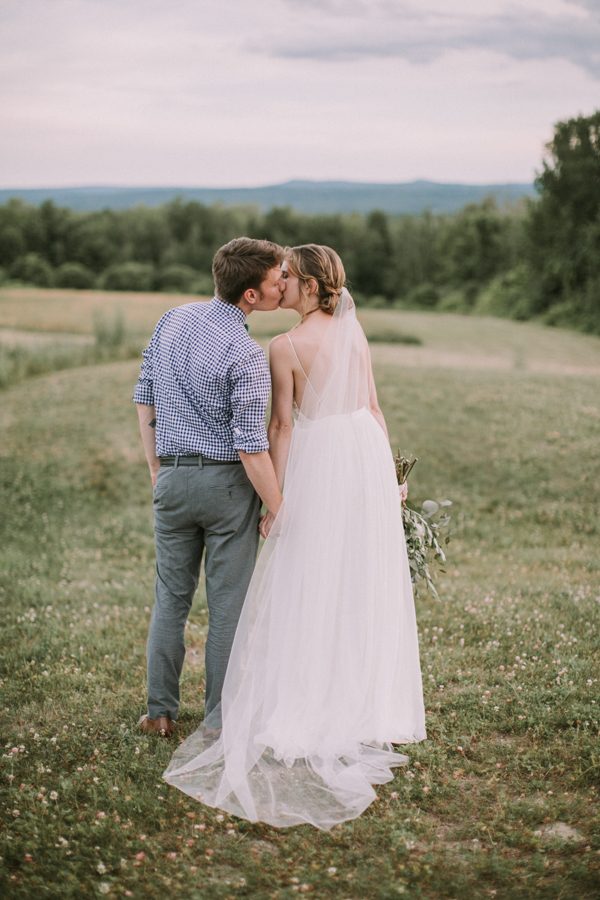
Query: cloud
[592,5]
[422,34]
[143,91]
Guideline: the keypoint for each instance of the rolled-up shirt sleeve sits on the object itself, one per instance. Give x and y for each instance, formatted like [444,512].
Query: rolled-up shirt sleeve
[250,388]
[144,389]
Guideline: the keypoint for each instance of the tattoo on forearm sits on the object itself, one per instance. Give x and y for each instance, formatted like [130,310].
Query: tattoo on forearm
[152,424]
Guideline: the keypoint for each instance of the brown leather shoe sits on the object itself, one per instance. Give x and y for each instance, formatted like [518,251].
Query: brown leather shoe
[163,726]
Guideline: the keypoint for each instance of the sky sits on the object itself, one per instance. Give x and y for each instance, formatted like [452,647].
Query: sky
[223,93]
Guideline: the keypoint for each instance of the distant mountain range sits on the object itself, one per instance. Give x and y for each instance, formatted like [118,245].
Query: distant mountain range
[305,196]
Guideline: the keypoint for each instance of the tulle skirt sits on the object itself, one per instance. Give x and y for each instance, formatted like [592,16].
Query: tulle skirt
[324,672]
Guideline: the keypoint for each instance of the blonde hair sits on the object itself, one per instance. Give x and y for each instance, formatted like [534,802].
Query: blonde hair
[324,266]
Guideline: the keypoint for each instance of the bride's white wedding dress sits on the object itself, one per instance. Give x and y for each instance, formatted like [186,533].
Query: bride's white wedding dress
[324,672]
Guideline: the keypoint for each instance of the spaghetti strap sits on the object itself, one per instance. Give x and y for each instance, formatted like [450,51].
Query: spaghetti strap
[304,372]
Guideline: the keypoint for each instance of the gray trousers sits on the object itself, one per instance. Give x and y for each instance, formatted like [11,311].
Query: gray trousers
[211,510]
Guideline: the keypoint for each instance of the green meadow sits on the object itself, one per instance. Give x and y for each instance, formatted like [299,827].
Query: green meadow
[502,799]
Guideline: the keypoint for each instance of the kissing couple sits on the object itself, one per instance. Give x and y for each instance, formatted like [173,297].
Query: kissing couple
[312,659]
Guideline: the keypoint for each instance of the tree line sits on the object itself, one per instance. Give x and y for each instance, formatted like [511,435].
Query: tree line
[538,258]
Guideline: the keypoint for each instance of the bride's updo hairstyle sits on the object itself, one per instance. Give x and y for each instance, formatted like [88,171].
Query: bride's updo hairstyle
[315,261]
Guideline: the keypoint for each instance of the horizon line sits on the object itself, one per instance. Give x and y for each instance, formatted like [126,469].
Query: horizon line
[107,186]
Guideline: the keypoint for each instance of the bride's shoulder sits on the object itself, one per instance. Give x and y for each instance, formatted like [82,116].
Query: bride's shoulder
[281,342]
[279,346]
[278,339]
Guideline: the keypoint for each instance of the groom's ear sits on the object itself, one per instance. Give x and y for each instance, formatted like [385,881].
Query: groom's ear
[250,296]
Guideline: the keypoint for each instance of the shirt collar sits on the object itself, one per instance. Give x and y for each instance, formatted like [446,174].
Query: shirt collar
[230,310]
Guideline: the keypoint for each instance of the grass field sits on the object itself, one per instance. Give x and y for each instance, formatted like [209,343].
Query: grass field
[500,801]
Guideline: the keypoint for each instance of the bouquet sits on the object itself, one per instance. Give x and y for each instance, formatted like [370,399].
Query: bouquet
[424,532]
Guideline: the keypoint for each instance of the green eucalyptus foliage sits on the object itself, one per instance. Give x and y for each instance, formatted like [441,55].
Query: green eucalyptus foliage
[425,532]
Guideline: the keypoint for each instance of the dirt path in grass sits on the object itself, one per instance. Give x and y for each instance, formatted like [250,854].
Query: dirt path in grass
[400,355]
[382,353]
[15,337]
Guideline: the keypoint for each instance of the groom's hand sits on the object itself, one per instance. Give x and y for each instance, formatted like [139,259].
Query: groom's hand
[147,422]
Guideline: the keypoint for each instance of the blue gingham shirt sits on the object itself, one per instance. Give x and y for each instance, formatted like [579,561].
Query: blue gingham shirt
[208,381]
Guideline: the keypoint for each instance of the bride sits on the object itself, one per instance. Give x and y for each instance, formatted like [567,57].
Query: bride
[324,672]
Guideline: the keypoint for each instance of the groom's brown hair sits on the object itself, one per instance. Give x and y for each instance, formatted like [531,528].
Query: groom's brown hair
[242,264]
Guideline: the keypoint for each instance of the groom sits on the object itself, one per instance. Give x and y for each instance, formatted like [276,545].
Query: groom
[201,399]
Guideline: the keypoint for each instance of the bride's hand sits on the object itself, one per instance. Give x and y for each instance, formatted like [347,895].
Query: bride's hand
[264,526]
[403,491]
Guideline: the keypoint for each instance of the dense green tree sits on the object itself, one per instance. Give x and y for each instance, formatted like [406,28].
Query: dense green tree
[97,240]
[146,235]
[33,269]
[55,223]
[281,224]
[472,247]
[564,224]
[12,244]
[129,276]
[176,278]
[372,257]
[179,217]
[74,275]
[417,254]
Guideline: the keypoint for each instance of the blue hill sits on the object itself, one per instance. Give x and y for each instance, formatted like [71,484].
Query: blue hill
[304,196]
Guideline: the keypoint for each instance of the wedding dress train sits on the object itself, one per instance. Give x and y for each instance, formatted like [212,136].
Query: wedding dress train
[324,672]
